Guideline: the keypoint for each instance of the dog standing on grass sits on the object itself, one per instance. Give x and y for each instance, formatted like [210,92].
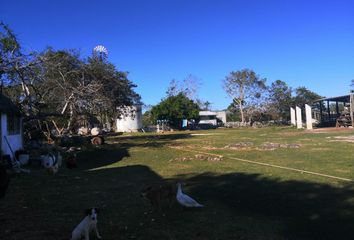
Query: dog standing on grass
[87,225]
[159,192]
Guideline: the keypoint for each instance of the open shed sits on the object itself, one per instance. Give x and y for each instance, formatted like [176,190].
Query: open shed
[328,110]
[11,137]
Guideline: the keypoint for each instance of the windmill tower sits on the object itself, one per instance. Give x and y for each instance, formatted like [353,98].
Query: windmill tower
[100,52]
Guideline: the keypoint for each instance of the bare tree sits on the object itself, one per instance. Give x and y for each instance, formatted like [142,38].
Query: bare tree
[244,87]
[190,86]
[173,88]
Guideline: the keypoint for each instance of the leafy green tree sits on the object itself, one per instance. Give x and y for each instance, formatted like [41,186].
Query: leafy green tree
[60,83]
[73,86]
[305,96]
[245,87]
[9,50]
[18,71]
[279,100]
[174,109]
[233,113]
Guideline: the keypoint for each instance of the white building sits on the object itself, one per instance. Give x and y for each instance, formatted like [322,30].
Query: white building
[212,117]
[131,120]
[11,137]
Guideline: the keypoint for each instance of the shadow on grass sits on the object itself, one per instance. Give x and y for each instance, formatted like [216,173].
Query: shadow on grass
[118,147]
[154,141]
[238,206]
[42,206]
[101,156]
[306,210]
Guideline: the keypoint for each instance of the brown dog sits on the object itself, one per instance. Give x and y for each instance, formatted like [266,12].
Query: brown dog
[98,140]
[157,193]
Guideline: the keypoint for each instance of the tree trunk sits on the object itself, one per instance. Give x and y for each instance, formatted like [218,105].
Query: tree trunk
[71,119]
[241,111]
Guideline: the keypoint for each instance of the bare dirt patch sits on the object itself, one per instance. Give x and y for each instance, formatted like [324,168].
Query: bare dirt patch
[290,134]
[240,145]
[273,146]
[331,129]
[343,139]
[199,157]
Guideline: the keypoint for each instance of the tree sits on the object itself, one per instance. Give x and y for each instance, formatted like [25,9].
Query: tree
[189,87]
[174,109]
[279,100]
[352,85]
[72,86]
[233,113]
[304,96]
[17,71]
[207,105]
[59,83]
[245,87]
[173,88]
[9,50]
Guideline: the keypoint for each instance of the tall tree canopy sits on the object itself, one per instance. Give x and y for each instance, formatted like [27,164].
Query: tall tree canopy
[73,86]
[304,96]
[62,83]
[279,100]
[174,109]
[245,87]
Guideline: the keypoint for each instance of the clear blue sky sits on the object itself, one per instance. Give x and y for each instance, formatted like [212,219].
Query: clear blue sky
[304,43]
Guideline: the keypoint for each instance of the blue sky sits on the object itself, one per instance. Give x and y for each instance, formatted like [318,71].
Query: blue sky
[304,43]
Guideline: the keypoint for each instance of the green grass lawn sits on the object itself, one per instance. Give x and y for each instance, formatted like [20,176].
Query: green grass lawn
[243,200]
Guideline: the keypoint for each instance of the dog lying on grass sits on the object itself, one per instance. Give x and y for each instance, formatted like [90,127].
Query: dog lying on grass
[157,193]
[87,225]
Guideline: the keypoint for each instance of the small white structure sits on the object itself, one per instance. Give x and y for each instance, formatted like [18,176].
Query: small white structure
[298,117]
[292,116]
[308,116]
[211,117]
[131,120]
[11,137]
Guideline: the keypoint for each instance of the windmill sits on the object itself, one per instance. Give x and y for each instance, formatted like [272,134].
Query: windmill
[100,52]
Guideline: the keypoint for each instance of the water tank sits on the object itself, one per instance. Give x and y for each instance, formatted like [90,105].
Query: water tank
[130,120]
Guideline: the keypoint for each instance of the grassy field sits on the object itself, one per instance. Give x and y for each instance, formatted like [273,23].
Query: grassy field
[243,200]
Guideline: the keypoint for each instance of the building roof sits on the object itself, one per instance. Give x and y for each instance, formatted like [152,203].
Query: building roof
[210,113]
[7,106]
[344,98]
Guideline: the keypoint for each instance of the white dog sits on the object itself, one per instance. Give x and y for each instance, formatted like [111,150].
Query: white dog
[88,224]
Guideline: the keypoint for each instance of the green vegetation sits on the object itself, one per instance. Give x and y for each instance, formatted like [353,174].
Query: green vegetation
[174,109]
[243,200]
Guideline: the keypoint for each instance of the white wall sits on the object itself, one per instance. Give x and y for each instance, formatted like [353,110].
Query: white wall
[208,121]
[221,115]
[14,140]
